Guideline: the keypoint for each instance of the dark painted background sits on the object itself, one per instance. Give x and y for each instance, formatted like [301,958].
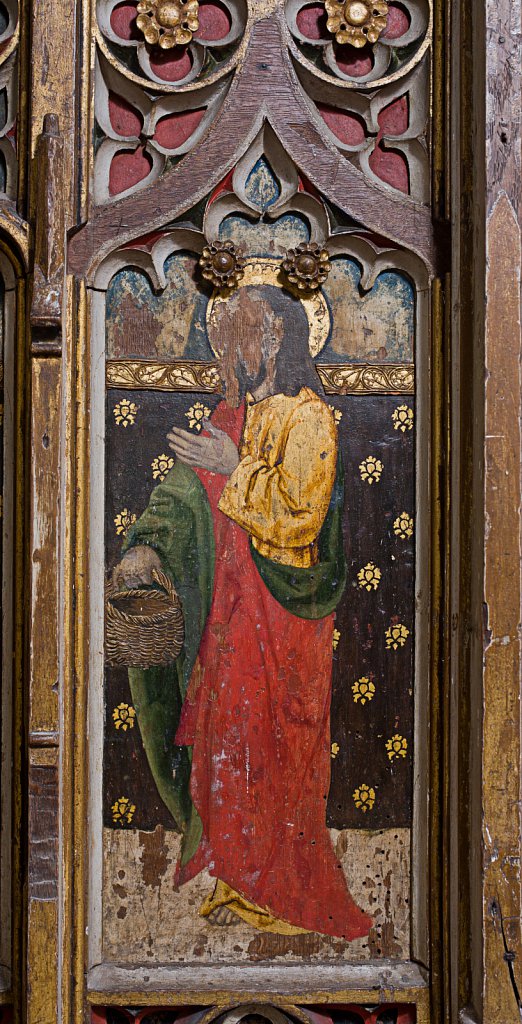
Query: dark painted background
[366,428]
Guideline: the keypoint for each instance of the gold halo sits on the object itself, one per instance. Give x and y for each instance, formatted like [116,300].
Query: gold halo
[267,271]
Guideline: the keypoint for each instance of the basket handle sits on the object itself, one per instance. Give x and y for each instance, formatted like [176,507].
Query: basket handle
[166,584]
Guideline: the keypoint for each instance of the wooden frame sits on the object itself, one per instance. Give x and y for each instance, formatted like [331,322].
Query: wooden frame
[475,476]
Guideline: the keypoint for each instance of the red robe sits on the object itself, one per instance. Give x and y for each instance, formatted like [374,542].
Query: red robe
[257,714]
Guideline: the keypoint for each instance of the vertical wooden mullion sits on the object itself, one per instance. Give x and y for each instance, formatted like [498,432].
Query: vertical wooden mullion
[51,203]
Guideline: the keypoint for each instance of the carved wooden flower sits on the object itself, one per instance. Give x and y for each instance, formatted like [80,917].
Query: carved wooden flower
[356,22]
[222,263]
[168,22]
[307,266]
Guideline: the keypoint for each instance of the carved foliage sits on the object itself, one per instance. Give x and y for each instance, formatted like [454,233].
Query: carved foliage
[372,43]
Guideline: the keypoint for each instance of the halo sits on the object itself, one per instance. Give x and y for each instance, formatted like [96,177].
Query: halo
[267,271]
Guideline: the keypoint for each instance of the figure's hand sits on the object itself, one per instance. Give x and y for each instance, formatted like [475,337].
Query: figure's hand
[216,453]
[135,568]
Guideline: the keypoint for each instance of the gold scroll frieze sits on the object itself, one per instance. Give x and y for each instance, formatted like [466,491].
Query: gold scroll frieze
[178,376]
[367,378]
[337,379]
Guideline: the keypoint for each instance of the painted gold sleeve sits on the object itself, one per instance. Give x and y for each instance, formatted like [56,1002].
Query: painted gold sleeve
[284,505]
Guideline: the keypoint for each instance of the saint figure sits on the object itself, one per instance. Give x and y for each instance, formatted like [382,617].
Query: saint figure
[248,524]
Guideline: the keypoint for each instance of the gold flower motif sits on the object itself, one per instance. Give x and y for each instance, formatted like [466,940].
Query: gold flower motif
[364,797]
[125,412]
[335,639]
[124,520]
[396,636]
[403,418]
[335,748]
[123,717]
[161,466]
[337,413]
[307,266]
[403,525]
[168,22]
[196,414]
[396,747]
[356,22]
[363,690]
[369,577]
[123,811]
[371,469]
[222,264]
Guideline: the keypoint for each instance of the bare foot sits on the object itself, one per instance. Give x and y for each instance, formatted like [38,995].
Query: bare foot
[223,916]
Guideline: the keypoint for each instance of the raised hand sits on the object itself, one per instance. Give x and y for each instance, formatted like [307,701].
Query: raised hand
[216,453]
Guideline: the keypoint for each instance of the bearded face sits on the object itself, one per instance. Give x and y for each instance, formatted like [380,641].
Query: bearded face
[250,336]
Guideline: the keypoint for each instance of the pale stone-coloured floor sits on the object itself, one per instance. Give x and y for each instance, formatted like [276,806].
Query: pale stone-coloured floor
[145,919]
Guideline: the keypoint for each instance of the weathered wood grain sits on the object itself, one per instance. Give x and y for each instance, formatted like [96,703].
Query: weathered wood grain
[45,469]
[502,653]
[49,240]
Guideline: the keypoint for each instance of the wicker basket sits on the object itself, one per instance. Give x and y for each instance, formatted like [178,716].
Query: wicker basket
[144,627]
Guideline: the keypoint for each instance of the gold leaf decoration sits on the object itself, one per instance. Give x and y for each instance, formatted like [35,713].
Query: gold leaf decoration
[403,526]
[123,811]
[196,414]
[335,639]
[364,797]
[371,469]
[168,22]
[161,466]
[123,717]
[178,376]
[367,378]
[403,418]
[356,22]
[124,520]
[125,412]
[396,636]
[396,747]
[363,690]
[369,577]
[337,414]
[334,750]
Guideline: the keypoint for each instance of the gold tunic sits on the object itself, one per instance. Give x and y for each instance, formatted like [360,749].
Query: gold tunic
[280,491]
